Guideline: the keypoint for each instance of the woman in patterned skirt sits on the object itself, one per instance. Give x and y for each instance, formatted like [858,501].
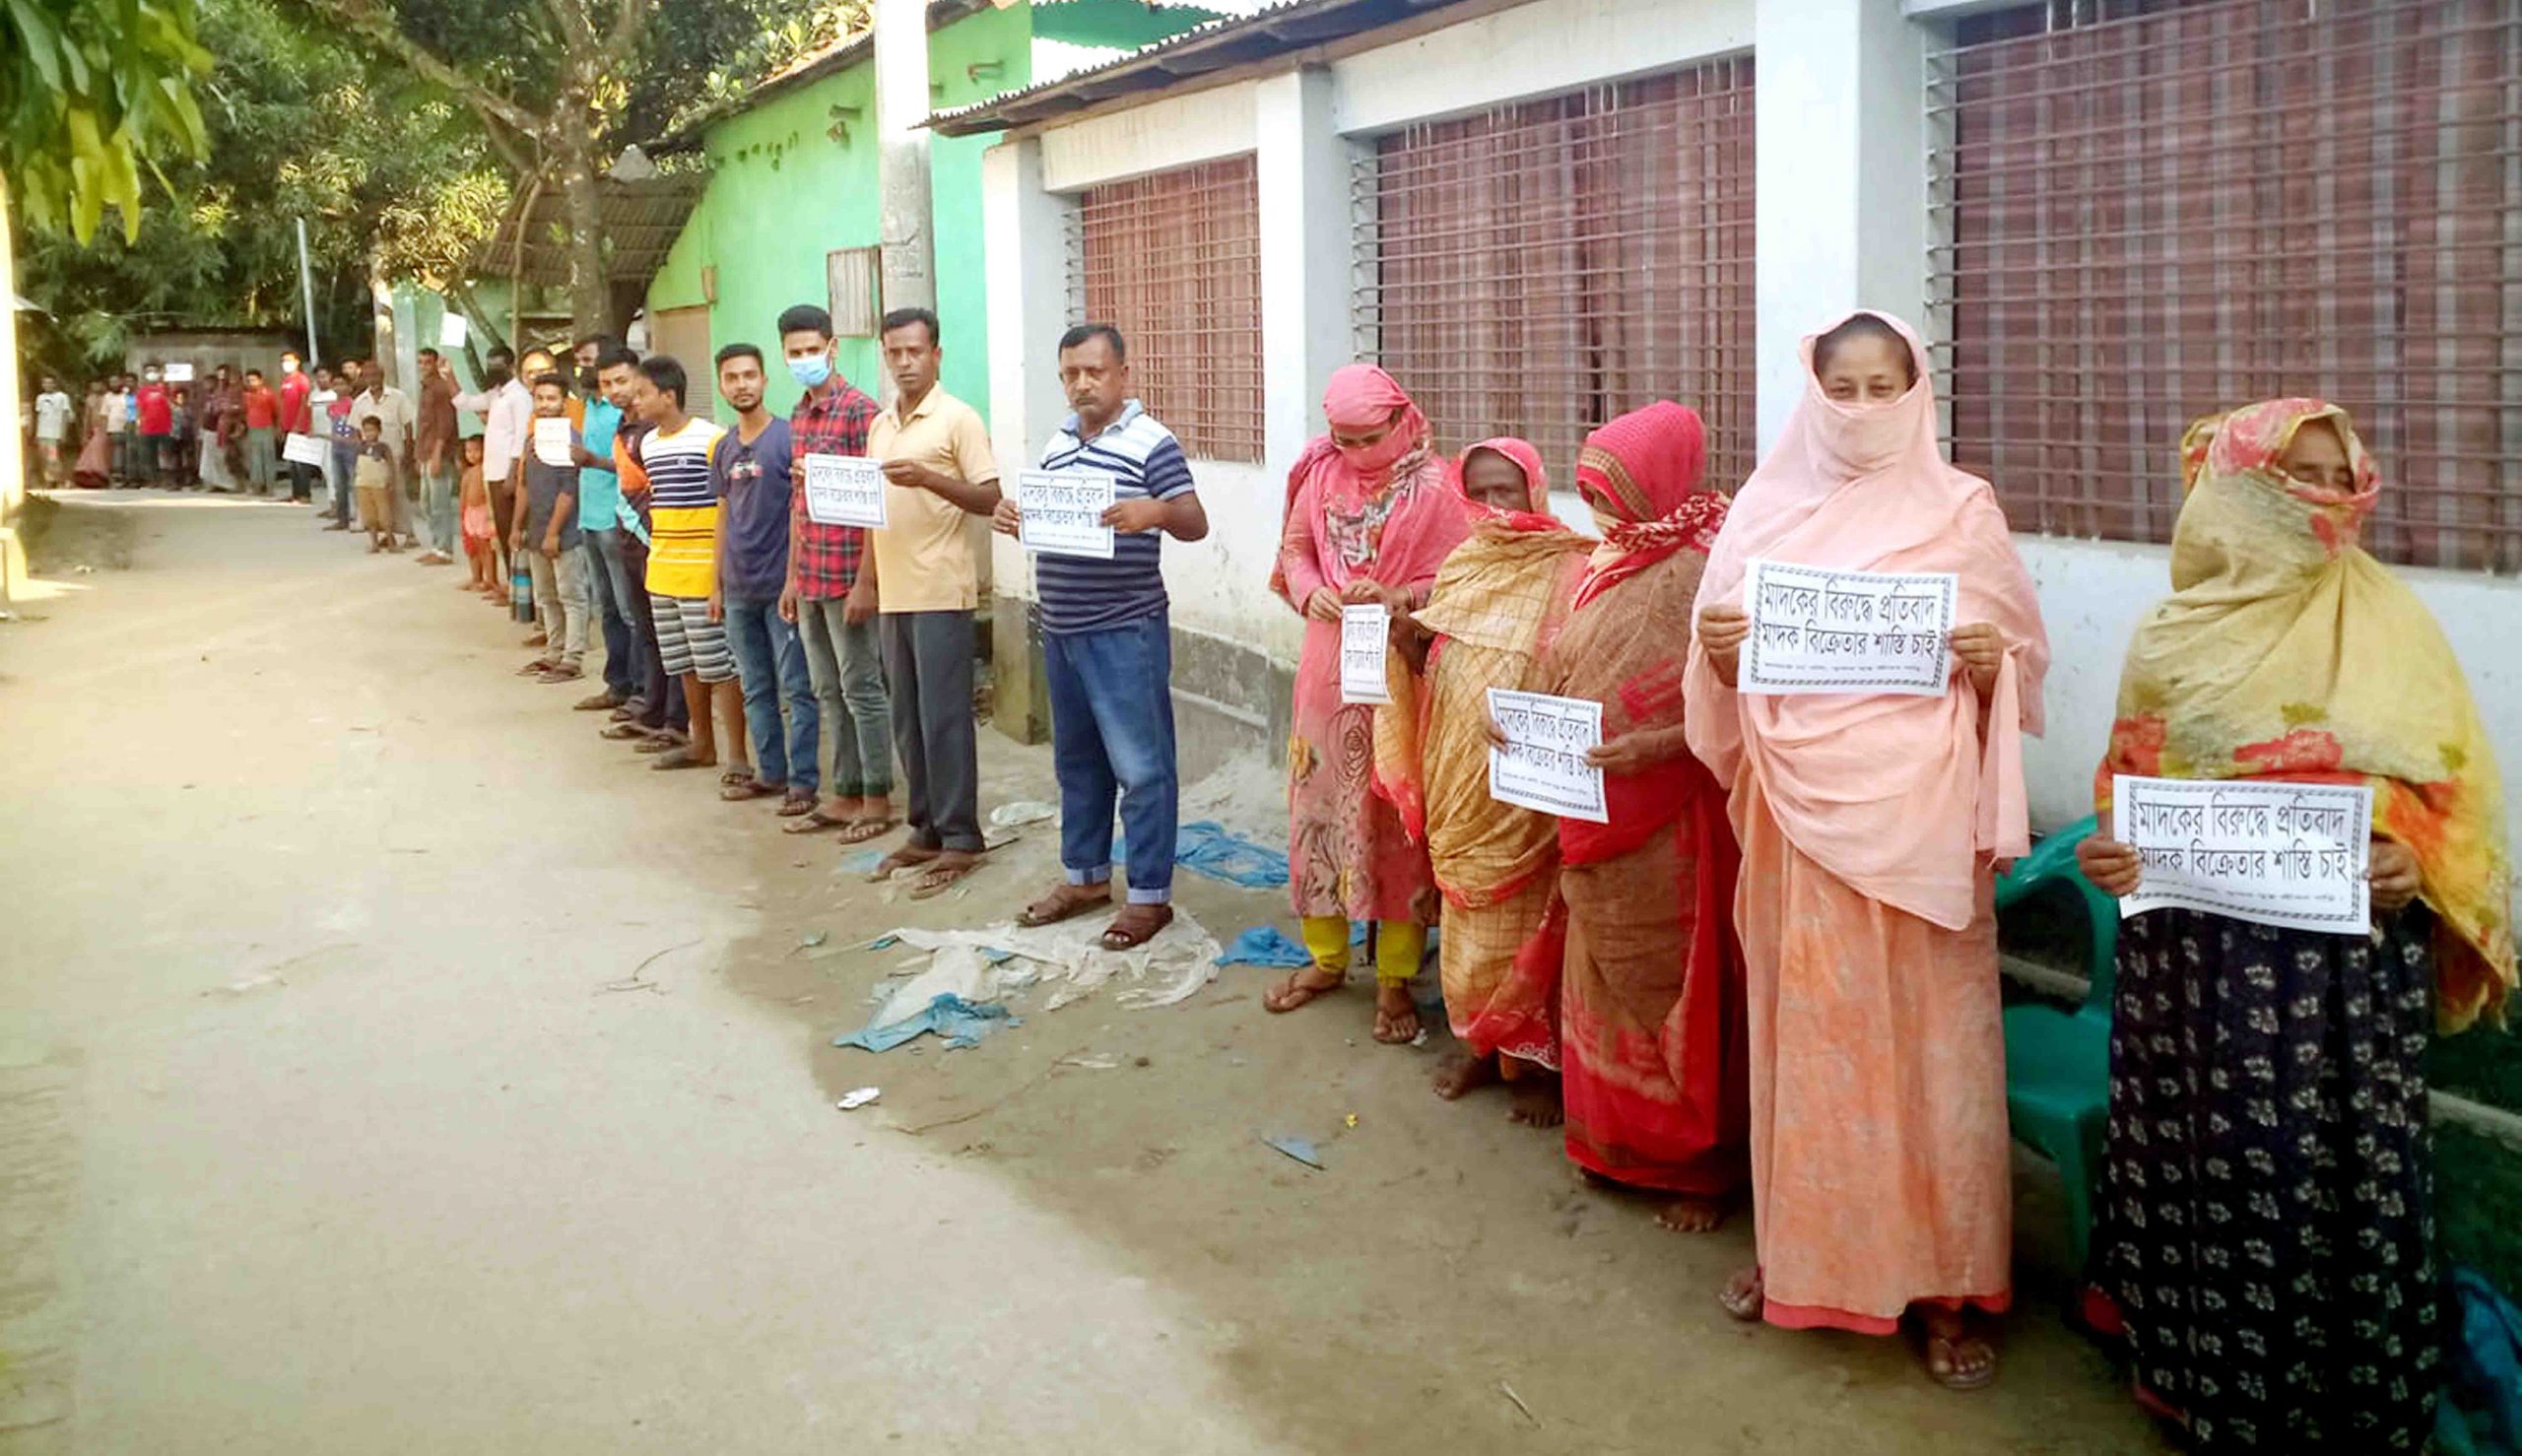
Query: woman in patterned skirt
[2264,1229]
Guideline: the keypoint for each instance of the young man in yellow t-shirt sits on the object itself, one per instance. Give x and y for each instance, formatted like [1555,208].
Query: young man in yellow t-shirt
[938,470]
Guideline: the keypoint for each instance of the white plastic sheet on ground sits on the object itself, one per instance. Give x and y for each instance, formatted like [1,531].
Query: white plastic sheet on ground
[984,965]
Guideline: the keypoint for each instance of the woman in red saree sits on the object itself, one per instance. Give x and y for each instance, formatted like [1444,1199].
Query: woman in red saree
[1651,1014]
[1373,512]
[1497,603]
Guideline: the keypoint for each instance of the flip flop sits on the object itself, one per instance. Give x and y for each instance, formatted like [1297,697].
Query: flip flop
[736,790]
[936,879]
[1287,995]
[860,830]
[679,756]
[909,857]
[814,821]
[796,804]
[658,742]
[623,732]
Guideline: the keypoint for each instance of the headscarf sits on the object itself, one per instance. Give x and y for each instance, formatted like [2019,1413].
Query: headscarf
[2286,651]
[1524,457]
[1396,499]
[1895,795]
[1641,473]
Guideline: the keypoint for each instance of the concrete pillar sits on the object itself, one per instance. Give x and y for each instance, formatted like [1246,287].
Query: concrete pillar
[908,262]
[1302,167]
[1841,176]
[1025,268]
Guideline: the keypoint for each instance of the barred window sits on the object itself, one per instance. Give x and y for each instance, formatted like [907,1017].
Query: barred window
[1537,269]
[1173,261]
[2149,210]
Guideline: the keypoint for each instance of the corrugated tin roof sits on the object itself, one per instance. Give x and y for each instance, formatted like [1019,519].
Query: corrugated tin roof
[1230,40]
[642,221]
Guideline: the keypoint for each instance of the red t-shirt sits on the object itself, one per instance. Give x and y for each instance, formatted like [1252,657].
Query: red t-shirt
[292,404]
[156,410]
[262,408]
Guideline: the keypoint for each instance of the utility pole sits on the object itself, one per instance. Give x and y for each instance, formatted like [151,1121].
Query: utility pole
[907,260]
[307,289]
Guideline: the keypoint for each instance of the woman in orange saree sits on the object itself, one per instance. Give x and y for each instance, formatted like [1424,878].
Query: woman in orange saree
[1650,1003]
[1870,825]
[1497,603]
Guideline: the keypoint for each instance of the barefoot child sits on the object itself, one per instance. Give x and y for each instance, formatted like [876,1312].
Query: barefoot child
[372,475]
[478,528]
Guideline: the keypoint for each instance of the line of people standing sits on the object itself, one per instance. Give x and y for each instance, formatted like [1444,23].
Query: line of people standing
[1772,968]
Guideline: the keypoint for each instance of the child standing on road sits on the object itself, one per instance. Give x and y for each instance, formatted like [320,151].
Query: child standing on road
[373,477]
[478,528]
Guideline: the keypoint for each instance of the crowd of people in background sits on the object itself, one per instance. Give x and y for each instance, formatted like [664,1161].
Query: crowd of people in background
[1768,971]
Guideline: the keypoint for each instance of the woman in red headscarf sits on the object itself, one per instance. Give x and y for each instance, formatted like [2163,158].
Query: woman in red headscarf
[1497,602]
[1651,1031]
[1371,515]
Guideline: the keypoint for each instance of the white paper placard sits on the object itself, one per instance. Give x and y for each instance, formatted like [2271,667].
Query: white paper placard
[305,449]
[1366,635]
[1063,511]
[1820,631]
[551,440]
[2290,854]
[323,397]
[1542,764]
[180,373]
[844,490]
[452,331]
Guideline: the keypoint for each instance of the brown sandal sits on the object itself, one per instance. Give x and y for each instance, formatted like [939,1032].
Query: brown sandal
[1065,904]
[1136,925]
[860,830]
[813,820]
[749,787]
[937,879]
[1291,993]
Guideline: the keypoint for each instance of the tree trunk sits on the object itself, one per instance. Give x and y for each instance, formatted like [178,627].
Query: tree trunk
[13,481]
[581,194]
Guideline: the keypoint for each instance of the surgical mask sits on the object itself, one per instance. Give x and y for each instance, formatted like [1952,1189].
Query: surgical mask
[289,367]
[150,376]
[811,369]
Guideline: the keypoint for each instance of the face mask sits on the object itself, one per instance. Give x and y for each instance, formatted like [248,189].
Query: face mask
[1375,460]
[150,376]
[1603,520]
[289,367]
[811,371]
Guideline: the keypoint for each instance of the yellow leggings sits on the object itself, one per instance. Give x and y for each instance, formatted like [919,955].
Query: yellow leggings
[1399,945]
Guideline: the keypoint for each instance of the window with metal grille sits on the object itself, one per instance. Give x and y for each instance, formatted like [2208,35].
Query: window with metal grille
[1173,261]
[1537,269]
[2149,210]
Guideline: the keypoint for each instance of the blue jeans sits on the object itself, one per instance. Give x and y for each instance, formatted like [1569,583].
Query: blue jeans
[339,468]
[772,666]
[1112,732]
[609,593]
[437,496]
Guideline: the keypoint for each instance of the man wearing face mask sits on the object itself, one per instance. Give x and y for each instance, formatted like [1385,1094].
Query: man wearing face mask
[830,595]
[506,409]
[296,417]
[155,410]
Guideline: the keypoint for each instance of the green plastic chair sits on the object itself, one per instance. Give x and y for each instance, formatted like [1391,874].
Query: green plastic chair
[2057,1062]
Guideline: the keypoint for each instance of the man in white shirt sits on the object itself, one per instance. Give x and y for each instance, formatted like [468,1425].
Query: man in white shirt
[52,428]
[395,418]
[506,408]
[118,423]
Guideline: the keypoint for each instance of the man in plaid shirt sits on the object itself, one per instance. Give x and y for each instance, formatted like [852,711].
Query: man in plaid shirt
[831,596]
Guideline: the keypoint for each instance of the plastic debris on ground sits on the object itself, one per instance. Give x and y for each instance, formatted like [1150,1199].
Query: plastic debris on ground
[864,862]
[1169,968]
[1265,945]
[1102,1061]
[1300,1149]
[2481,1407]
[1207,847]
[857,1097]
[1021,813]
[960,1023]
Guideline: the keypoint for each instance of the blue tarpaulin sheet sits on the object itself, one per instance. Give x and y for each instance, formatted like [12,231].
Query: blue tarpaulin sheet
[961,1023]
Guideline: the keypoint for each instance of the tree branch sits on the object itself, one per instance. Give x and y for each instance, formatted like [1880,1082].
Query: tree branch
[626,19]
[379,31]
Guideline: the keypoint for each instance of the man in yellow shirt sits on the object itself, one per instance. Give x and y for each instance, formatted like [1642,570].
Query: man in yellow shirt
[938,470]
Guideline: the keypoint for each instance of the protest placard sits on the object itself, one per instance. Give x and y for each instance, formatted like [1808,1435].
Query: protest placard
[552,441]
[844,490]
[1542,764]
[180,373]
[2290,854]
[1815,630]
[303,449]
[1366,635]
[1063,511]
[452,331]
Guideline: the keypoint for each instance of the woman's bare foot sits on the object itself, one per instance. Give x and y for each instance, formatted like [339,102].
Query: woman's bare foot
[1688,1213]
[1396,1014]
[1302,986]
[1463,1074]
[1537,1100]
[1743,1296]
[1957,1358]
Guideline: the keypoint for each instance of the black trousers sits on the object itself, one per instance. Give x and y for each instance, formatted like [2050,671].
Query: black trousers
[928,672]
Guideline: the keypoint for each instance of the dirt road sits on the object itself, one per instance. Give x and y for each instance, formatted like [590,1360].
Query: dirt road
[320,1130]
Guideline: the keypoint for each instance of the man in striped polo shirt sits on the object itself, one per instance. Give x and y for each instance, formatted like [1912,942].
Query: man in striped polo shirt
[1107,645]
[683,538]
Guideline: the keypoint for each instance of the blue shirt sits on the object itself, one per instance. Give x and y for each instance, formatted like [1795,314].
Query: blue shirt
[1083,594]
[599,490]
[753,483]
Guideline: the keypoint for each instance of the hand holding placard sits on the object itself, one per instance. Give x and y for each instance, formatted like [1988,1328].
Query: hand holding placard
[1818,630]
[1541,762]
[2288,854]
[1063,511]
[844,490]
[1366,635]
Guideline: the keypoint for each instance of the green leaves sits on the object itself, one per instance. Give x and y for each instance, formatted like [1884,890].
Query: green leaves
[91,89]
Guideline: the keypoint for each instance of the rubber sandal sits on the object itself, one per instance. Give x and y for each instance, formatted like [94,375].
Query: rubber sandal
[680,756]
[1065,904]
[907,857]
[622,732]
[860,830]
[936,879]
[748,788]
[1272,1002]
[796,804]
[1124,934]
[814,822]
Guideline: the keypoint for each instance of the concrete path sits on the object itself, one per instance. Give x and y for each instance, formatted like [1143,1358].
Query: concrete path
[323,1130]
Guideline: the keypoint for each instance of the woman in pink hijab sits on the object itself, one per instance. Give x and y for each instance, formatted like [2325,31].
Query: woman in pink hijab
[1371,513]
[1870,825]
